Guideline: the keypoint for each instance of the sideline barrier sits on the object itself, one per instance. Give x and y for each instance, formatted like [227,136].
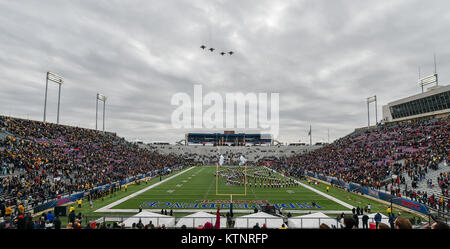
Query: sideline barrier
[413,205]
[198,222]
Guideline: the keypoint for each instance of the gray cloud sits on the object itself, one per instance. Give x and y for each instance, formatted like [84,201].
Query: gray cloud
[323,57]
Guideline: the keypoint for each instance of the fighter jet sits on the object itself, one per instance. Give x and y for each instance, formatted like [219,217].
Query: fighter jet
[222,53]
[231,52]
[211,49]
[202,46]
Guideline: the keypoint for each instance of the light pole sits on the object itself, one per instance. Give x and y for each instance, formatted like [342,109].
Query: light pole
[58,80]
[428,80]
[370,100]
[103,98]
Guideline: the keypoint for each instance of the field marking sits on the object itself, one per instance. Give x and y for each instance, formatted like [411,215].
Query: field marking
[209,189]
[295,211]
[126,198]
[345,204]
[106,209]
[319,192]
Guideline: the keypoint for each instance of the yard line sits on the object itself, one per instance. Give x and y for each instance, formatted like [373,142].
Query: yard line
[209,189]
[126,198]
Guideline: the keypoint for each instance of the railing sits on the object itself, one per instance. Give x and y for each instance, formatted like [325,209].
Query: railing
[239,222]
[169,221]
[77,195]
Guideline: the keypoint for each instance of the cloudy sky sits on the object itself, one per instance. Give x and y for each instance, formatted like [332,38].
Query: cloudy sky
[323,58]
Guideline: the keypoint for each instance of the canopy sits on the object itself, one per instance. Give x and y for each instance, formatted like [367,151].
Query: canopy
[199,219]
[249,221]
[313,220]
[146,217]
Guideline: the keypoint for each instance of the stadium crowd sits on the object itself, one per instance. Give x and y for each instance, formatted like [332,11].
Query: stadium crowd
[41,161]
[371,157]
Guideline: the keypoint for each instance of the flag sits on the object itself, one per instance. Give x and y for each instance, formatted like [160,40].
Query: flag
[217,225]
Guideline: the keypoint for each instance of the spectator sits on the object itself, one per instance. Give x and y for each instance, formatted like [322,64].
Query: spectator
[383,226]
[324,226]
[377,218]
[356,219]
[50,216]
[57,223]
[402,223]
[439,225]
[391,220]
[349,222]
[365,221]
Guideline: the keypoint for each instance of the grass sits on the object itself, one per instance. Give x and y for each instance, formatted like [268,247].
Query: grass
[199,184]
[197,189]
[86,210]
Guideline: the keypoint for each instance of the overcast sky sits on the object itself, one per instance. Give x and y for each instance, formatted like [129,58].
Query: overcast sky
[323,58]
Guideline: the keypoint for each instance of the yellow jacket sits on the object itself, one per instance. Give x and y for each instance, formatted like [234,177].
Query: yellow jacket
[8,211]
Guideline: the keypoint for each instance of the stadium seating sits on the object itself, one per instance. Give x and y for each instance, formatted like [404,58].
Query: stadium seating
[40,161]
[371,158]
[48,160]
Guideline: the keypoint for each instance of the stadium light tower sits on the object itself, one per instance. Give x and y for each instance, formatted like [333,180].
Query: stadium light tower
[103,98]
[370,100]
[428,80]
[58,80]
[431,78]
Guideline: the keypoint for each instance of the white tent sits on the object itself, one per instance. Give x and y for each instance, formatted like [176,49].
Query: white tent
[248,221]
[199,219]
[146,217]
[313,220]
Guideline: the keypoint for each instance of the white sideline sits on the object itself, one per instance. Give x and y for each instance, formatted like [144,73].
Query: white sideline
[107,207]
[327,196]
[320,193]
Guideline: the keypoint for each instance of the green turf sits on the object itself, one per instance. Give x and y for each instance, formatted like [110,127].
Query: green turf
[198,186]
[86,210]
[204,186]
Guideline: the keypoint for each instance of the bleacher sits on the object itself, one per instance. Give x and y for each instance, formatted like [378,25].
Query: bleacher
[51,160]
[210,154]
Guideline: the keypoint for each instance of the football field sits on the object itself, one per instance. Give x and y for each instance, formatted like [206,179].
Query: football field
[198,188]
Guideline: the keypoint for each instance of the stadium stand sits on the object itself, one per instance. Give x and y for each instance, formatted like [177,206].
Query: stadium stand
[41,161]
[382,157]
[208,155]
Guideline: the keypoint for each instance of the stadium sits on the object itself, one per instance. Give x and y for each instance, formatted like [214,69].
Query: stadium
[57,173]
